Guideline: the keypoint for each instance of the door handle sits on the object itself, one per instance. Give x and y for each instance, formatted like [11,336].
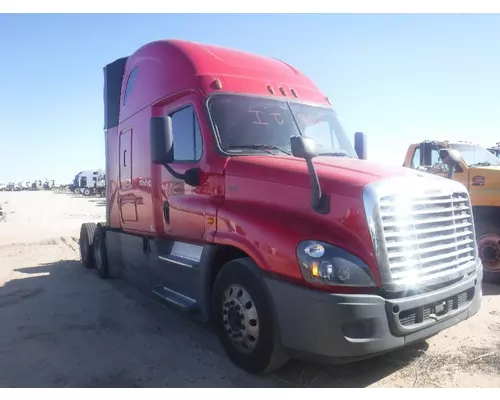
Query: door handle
[124,158]
[166,212]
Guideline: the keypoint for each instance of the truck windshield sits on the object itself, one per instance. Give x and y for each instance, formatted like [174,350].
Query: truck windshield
[251,124]
[476,156]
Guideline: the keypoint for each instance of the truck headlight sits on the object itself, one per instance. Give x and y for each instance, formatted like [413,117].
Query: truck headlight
[325,263]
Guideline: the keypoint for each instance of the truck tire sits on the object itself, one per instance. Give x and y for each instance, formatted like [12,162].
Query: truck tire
[100,254]
[86,192]
[488,243]
[87,232]
[244,320]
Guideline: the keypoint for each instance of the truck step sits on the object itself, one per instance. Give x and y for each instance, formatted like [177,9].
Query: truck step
[170,296]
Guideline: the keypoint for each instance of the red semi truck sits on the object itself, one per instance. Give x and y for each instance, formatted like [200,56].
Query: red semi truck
[234,194]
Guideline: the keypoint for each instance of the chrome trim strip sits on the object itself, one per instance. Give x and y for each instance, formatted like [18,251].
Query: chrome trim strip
[168,259]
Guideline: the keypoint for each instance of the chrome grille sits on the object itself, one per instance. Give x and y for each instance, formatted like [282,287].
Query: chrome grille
[423,236]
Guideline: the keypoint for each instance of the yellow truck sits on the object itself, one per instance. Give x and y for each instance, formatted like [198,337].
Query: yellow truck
[479,170]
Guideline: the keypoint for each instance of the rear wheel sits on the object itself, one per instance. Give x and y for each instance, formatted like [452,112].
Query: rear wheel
[488,243]
[87,232]
[244,320]
[100,254]
[86,192]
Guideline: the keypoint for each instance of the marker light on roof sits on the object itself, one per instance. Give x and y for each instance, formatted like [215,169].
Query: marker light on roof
[294,92]
[270,88]
[216,84]
[283,91]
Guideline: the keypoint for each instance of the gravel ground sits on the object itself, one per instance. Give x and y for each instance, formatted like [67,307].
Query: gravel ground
[61,326]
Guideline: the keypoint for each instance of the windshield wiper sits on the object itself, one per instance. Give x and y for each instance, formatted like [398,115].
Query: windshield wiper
[335,154]
[266,147]
[481,164]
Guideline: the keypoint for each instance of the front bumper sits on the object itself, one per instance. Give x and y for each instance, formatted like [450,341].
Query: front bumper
[340,328]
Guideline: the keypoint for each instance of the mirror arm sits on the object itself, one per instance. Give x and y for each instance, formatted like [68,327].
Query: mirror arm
[319,201]
[174,173]
[186,177]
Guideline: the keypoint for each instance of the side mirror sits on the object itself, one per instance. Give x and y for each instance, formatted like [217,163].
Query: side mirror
[426,154]
[162,146]
[360,145]
[303,147]
[450,157]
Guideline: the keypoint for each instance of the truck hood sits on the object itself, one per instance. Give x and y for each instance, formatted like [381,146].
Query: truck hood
[342,175]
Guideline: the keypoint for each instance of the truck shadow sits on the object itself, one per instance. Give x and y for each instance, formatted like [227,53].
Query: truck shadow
[63,327]
[491,289]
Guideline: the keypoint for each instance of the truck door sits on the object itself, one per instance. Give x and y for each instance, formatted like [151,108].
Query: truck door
[185,205]
[126,201]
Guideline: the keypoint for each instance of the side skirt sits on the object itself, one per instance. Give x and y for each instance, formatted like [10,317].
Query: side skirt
[176,273]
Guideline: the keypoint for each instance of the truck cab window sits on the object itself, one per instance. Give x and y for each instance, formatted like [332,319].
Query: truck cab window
[130,84]
[187,135]
[244,121]
[437,163]
[415,163]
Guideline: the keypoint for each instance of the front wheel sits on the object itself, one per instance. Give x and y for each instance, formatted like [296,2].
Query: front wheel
[488,243]
[244,319]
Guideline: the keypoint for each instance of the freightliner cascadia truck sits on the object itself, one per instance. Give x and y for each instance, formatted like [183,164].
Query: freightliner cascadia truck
[234,194]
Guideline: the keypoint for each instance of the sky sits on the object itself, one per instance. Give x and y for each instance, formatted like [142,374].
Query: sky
[398,78]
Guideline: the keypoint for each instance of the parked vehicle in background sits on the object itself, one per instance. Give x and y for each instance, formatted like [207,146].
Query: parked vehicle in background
[36,185]
[495,150]
[479,171]
[13,186]
[24,185]
[49,184]
[234,193]
[100,186]
[86,181]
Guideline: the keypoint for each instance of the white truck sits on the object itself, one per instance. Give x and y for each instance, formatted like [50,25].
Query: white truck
[24,185]
[85,182]
[100,188]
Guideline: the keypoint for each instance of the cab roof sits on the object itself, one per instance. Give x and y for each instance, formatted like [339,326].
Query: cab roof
[164,67]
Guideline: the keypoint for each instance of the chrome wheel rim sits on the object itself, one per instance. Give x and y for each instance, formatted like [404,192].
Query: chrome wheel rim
[240,318]
[489,252]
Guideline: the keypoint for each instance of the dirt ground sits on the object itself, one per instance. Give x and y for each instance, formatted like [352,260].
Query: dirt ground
[61,326]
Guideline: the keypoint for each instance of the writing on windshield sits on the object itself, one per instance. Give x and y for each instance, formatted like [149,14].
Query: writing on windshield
[260,114]
[249,122]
